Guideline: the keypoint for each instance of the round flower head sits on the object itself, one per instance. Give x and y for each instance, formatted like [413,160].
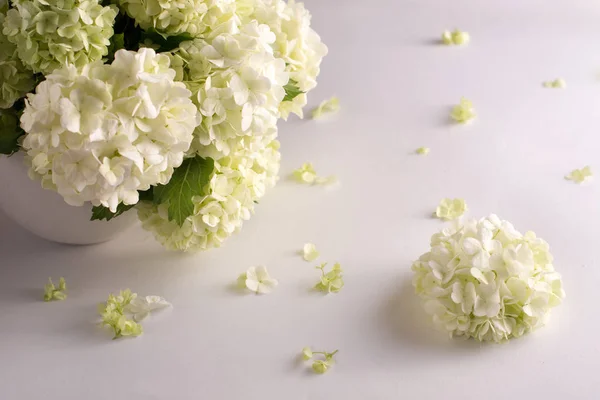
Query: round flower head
[237,182]
[15,79]
[102,133]
[486,280]
[237,85]
[49,35]
[178,16]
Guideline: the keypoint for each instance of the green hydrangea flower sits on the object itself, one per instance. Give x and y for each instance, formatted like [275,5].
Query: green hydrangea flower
[15,79]
[49,35]
[171,17]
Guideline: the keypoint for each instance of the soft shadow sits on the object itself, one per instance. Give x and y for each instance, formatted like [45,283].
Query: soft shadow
[432,42]
[22,295]
[403,319]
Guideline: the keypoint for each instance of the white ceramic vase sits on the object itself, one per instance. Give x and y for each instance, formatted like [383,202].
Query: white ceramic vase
[45,213]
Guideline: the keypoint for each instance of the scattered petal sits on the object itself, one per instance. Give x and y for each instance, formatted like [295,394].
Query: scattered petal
[310,253]
[329,106]
[307,353]
[460,38]
[580,175]
[307,175]
[450,209]
[555,84]
[141,307]
[447,38]
[423,151]
[463,112]
[332,281]
[113,314]
[320,366]
[259,281]
[456,37]
[51,292]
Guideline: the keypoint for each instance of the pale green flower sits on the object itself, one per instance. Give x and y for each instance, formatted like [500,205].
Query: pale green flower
[332,281]
[456,37]
[49,35]
[450,209]
[423,151]
[307,353]
[460,38]
[177,16]
[484,279]
[447,38]
[326,107]
[319,366]
[309,252]
[580,175]
[463,112]
[259,281]
[555,84]
[307,174]
[52,292]
[113,314]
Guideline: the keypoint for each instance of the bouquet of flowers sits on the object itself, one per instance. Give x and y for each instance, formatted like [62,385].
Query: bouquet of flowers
[168,106]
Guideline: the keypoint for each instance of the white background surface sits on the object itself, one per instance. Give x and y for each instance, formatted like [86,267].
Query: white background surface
[396,86]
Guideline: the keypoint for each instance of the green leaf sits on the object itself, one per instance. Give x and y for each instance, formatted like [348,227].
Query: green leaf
[100,213]
[164,41]
[291,90]
[187,181]
[117,42]
[10,132]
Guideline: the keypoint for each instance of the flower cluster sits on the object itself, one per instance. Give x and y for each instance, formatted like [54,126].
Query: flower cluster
[115,124]
[15,79]
[104,132]
[237,183]
[237,84]
[175,17]
[50,35]
[296,43]
[486,280]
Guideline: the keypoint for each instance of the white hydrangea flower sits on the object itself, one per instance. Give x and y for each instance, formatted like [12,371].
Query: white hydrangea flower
[486,280]
[238,181]
[102,133]
[50,35]
[295,42]
[237,85]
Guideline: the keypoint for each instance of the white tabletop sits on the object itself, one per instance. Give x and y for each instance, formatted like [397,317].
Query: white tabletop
[396,86]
